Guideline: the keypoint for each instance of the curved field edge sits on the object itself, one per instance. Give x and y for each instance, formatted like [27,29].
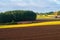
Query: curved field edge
[31,25]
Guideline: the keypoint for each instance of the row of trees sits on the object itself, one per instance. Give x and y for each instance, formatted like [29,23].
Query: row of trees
[49,13]
[16,16]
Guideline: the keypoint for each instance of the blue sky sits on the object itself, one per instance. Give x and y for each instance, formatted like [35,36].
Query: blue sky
[34,5]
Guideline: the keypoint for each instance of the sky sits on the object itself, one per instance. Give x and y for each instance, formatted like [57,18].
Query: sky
[33,5]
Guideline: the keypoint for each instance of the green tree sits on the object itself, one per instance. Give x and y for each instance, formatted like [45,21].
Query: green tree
[16,16]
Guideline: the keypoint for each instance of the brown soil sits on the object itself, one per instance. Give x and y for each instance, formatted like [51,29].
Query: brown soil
[31,33]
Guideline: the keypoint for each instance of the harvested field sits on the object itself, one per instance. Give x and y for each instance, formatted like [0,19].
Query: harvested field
[31,33]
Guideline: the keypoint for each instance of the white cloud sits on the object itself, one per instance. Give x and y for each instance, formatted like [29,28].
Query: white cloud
[21,4]
[2,4]
[57,1]
[15,0]
[29,4]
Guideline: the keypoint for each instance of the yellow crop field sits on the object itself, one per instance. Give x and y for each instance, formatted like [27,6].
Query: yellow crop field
[44,17]
[31,25]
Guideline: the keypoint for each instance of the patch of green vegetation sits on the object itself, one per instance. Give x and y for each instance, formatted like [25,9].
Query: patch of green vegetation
[10,17]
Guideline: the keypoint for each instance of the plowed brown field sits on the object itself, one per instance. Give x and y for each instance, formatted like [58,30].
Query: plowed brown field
[31,33]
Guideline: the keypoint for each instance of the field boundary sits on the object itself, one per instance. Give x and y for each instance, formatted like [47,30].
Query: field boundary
[31,25]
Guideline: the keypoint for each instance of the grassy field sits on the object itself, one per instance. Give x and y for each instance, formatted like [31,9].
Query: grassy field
[44,17]
[31,25]
[39,17]
[47,17]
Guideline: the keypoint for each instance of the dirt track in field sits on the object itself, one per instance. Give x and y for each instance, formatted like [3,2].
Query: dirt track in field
[31,33]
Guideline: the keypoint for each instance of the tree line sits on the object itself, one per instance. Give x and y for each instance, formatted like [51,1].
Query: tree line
[16,16]
[49,13]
